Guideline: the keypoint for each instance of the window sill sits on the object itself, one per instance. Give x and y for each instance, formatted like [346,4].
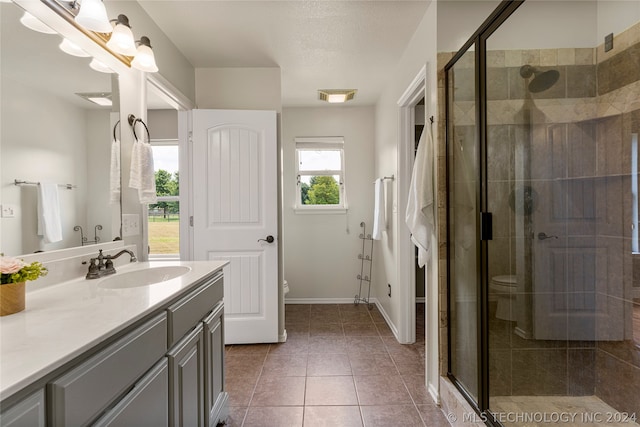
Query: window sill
[320,211]
[164,257]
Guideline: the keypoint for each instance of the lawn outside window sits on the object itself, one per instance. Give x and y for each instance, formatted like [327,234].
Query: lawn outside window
[163,217]
[320,186]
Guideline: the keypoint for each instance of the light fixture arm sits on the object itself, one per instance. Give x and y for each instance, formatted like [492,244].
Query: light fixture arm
[122,20]
[144,40]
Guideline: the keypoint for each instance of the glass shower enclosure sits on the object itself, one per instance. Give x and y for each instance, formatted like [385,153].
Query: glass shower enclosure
[543,242]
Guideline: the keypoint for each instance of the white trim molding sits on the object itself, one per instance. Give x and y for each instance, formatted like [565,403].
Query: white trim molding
[416,90]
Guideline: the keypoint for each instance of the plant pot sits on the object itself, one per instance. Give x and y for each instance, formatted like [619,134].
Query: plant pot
[12,298]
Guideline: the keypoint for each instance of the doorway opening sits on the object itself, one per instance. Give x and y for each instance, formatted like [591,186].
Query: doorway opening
[413,110]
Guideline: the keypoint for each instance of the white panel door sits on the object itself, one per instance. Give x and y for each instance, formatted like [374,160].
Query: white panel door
[235,215]
[578,285]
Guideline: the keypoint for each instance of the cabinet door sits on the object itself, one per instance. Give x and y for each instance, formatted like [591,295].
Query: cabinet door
[186,375]
[151,392]
[215,397]
[26,413]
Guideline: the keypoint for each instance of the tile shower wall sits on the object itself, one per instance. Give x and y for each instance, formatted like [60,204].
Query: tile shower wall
[589,115]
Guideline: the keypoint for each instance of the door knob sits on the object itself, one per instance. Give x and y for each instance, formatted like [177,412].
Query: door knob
[269,239]
[543,236]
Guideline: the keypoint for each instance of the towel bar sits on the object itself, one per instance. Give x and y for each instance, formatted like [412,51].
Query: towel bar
[23,182]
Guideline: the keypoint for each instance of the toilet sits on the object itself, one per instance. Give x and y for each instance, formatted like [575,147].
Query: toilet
[503,288]
[285,287]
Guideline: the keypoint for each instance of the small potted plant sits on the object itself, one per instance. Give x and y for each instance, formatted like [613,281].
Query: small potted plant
[14,273]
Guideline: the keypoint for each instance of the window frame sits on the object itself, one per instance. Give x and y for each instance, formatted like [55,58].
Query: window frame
[320,143]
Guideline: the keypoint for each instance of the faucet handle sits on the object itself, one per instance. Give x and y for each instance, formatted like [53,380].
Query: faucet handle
[93,272]
[100,260]
[108,267]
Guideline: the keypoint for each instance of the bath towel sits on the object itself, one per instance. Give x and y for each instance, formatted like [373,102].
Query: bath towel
[142,174]
[419,216]
[114,173]
[49,221]
[378,210]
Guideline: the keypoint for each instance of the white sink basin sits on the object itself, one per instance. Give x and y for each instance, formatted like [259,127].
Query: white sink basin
[144,277]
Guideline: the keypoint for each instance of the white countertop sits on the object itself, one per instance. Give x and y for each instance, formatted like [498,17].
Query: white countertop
[62,321]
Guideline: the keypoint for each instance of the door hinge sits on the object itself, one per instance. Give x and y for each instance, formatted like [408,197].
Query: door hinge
[191,136]
[191,221]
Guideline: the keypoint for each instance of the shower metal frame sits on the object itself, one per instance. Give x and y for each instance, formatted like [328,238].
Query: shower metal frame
[483,219]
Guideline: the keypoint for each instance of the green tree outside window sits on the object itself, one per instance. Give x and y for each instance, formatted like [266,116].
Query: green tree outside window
[323,190]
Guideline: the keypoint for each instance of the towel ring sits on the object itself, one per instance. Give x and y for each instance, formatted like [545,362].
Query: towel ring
[114,130]
[145,126]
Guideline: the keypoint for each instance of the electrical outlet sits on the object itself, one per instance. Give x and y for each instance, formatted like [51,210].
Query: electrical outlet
[8,211]
[389,285]
[130,225]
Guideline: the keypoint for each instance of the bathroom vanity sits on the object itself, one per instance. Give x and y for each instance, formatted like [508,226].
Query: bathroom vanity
[143,347]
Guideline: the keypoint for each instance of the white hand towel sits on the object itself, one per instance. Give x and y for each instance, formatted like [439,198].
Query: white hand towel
[114,178]
[135,171]
[378,210]
[142,175]
[419,215]
[49,222]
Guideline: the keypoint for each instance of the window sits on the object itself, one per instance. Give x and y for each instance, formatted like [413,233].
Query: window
[164,217]
[320,175]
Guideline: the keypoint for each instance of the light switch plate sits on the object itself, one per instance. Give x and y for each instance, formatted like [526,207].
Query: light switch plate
[608,42]
[130,225]
[8,211]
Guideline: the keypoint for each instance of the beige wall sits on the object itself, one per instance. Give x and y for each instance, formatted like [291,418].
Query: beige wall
[174,67]
[321,250]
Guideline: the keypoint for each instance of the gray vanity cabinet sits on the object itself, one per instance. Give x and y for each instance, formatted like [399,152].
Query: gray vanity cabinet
[186,374]
[215,397]
[84,392]
[165,370]
[29,412]
[146,405]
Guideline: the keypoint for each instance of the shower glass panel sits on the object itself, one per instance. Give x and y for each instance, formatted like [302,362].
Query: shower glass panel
[562,124]
[463,181]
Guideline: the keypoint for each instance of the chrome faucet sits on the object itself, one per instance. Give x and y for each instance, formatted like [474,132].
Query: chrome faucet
[104,268]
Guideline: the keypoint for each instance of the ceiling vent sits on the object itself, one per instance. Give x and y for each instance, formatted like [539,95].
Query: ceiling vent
[335,96]
[101,98]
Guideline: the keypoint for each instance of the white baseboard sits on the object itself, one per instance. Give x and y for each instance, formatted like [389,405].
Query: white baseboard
[320,300]
[435,394]
[391,325]
[421,299]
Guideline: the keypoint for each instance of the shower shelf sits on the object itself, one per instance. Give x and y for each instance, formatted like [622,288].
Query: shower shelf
[366,263]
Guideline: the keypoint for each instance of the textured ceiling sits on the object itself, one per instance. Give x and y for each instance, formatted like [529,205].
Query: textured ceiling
[316,44]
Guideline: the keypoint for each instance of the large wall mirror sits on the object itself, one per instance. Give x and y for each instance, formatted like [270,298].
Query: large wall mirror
[51,133]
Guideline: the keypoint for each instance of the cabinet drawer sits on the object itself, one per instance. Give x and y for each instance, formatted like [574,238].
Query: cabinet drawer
[190,310]
[146,405]
[27,413]
[81,394]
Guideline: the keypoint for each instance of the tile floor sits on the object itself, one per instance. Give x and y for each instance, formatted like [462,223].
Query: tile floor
[341,366]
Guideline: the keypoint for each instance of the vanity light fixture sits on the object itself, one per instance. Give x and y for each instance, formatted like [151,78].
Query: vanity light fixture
[145,59]
[73,49]
[336,96]
[122,40]
[99,66]
[93,16]
[33,23]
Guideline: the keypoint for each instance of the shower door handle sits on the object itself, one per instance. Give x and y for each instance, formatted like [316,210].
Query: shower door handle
[543,236]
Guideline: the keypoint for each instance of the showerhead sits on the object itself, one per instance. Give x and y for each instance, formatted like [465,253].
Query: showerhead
[542,80]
